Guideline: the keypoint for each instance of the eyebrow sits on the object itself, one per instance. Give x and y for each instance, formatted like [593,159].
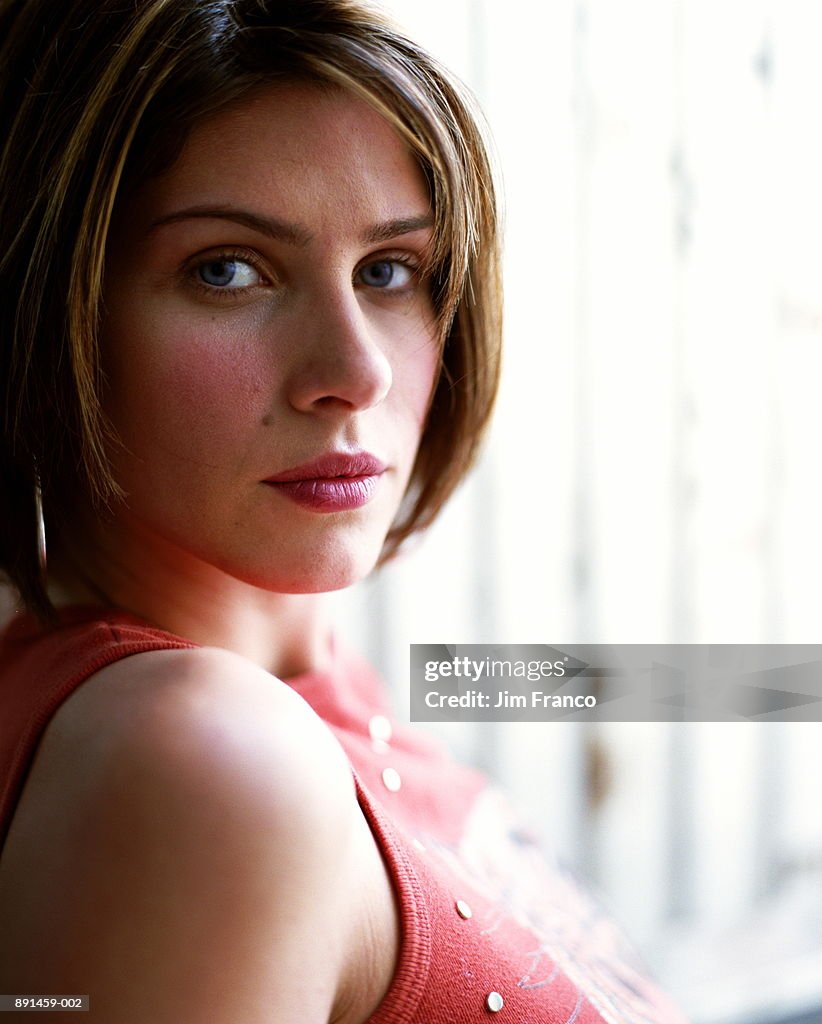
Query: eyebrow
[293,234]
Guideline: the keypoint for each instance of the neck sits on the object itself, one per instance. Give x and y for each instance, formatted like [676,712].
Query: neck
[286,634]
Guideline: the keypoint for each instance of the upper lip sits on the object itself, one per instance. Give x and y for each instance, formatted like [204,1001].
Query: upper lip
[330,465]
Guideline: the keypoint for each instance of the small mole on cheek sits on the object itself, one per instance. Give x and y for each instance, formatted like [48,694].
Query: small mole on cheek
[266,420]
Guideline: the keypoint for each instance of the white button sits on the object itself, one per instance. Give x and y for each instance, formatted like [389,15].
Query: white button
[463,909]
[379,728]
[494,1002]
[391,779]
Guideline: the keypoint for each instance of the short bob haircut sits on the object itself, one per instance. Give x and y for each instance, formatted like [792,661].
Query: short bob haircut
[98,95]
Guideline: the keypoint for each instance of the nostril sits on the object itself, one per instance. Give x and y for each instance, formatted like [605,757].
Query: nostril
[325,400]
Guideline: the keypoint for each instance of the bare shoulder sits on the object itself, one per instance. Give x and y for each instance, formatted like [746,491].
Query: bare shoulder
[204,706]
[225,732]
[183,812]
[149,688]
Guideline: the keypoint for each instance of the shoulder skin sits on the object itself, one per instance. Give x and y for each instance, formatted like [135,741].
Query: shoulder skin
[184,849]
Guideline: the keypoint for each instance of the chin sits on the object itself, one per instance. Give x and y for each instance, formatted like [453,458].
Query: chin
[315,571]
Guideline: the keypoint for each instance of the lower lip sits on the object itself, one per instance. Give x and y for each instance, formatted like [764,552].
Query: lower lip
[329,494]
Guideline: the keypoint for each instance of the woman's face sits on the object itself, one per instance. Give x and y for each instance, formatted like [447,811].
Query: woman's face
[264,310]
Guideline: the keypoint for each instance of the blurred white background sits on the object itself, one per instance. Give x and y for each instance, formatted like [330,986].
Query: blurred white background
[652,475]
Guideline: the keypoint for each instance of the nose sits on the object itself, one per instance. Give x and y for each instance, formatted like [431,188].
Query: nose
[342,364]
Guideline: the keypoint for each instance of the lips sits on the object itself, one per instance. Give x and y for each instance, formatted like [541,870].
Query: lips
[332,466]
[335,482]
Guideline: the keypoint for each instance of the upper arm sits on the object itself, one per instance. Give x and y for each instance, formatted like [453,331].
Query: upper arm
[193,867]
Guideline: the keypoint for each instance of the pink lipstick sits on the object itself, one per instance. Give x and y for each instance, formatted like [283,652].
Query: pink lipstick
[334,482]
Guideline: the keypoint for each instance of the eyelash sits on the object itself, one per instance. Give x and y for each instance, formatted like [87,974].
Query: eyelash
[230,294]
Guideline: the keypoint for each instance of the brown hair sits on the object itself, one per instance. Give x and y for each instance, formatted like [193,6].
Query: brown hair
[97,95]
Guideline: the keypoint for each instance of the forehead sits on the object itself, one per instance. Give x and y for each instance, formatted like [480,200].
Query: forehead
[319,155]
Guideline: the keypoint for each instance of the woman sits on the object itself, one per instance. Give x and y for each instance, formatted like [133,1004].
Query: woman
[250,341]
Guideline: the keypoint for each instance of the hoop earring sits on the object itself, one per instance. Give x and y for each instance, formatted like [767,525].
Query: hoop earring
[41,524]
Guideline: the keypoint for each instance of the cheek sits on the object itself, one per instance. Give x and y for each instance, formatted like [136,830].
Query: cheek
[187,388]
[421,373]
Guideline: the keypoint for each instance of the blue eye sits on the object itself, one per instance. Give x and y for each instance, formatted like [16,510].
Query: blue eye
[228,273]
[385,273]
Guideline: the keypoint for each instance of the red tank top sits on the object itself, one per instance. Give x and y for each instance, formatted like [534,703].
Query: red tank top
[491,929]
